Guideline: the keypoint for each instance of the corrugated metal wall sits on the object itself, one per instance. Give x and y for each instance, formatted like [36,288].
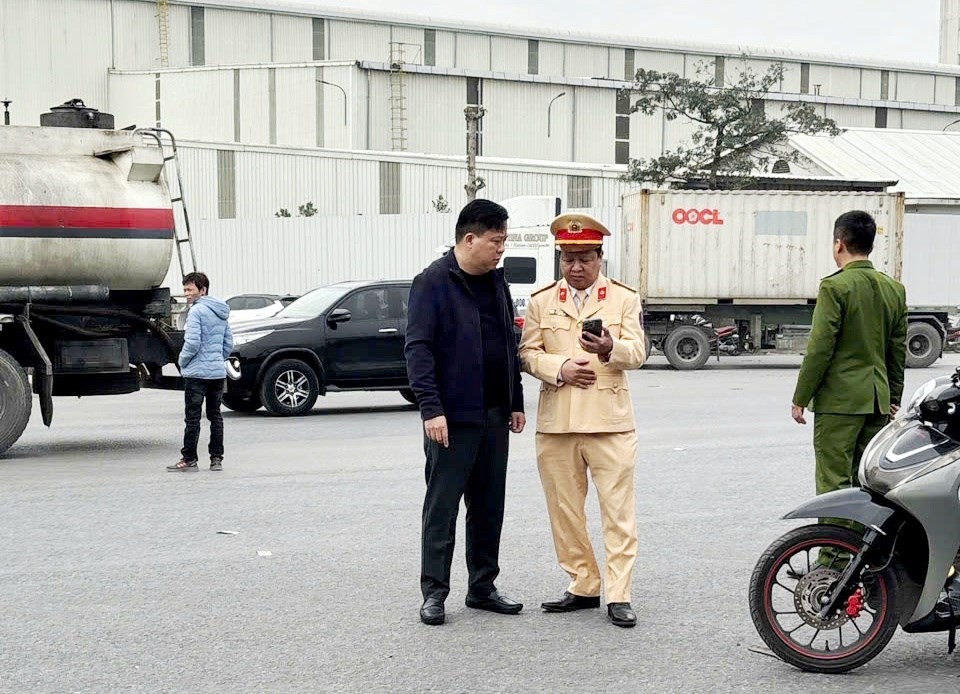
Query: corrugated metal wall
[507,135]
[236,38]
[931,247]
[509,55]
[354,40]
[473,51]
[51,52]
[348,184]
[595,127]
[133,100]
[298,254]
[210,118]
[435,121]
[137,46]
[917,88]
[587,61]
[292,39]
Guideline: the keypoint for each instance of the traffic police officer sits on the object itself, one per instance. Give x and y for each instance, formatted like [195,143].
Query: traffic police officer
[585,416]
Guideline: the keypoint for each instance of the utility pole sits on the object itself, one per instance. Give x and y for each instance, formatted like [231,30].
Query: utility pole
[474,114]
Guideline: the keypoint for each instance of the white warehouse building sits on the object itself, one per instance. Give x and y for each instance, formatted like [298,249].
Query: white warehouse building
[291,74]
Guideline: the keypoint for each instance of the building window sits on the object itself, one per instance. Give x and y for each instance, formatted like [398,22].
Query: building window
[629,64]
[622,152]
[718,65]
[475,98]
[880,120]
[430,47]
[226,184]
[520,270]
[473,91]
[579,191]
[533,57]
[757,108]
[884,85]
[197,53]
[804,78]
[622,147]
[389,187]
[956,89]
[319,39]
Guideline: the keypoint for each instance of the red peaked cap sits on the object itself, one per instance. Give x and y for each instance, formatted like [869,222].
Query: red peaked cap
[578,230]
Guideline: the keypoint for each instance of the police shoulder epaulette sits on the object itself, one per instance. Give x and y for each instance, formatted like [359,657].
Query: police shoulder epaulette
[625,286]
[543,289]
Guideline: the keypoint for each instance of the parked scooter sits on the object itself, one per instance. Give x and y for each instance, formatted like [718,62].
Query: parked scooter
[828,599]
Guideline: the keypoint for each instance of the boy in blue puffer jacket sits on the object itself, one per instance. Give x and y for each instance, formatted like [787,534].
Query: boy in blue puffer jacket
[207,343]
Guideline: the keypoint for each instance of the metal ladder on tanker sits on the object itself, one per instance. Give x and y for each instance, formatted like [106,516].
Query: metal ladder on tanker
[176,196]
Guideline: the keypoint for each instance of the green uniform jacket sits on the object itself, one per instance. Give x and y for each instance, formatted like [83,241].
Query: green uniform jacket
[858,344]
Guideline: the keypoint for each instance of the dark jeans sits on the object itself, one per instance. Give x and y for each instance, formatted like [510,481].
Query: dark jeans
[473,468]
[195,391]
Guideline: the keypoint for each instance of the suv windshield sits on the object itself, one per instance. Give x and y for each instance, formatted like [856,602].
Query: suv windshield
[313,303]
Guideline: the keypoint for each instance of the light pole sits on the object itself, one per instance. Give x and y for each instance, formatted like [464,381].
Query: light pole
[549,106]
[331,84]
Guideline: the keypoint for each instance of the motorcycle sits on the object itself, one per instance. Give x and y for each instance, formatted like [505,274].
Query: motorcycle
[828,598]
[728,340]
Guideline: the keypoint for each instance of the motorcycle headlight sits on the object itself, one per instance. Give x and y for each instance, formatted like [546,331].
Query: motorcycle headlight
[245,338]
[919,396]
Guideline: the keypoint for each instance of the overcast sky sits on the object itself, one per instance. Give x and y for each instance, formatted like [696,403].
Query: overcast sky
[893,29]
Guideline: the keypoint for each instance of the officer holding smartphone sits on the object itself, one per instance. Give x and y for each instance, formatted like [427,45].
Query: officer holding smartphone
[579,337]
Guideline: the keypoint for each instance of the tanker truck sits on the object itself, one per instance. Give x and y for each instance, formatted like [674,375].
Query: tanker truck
[87,235]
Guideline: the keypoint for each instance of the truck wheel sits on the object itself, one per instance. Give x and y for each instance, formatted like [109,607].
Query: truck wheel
[241,404]
[16,400]
[687,348]
[923,345]
[289,388]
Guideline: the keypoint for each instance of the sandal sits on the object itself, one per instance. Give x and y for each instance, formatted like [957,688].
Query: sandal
[183,466]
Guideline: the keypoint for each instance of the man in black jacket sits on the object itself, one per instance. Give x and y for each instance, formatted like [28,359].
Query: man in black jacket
[464,369]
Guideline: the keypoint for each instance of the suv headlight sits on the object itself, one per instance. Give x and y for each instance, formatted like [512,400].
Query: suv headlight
[244,338]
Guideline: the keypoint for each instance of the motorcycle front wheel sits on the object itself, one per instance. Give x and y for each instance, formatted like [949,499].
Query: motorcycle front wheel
[786,589]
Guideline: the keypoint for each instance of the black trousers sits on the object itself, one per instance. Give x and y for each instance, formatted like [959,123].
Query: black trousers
[195,391]
[473,468]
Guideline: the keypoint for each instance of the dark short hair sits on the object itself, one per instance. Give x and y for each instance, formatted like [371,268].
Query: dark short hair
[856,230]
[479,217]
[198,280]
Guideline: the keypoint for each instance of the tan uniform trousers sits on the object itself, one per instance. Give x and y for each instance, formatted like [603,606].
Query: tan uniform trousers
[563,460]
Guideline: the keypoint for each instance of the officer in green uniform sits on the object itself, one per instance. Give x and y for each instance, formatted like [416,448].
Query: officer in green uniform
[852,374]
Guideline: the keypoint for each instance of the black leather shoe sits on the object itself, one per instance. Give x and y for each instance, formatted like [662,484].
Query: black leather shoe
[621,614]
[495,602]
[432,612]
[571,603]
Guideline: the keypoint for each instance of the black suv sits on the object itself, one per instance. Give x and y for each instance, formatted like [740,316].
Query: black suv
[346,336]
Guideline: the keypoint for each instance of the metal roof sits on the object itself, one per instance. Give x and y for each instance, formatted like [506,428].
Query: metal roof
[926,164]
[310,9]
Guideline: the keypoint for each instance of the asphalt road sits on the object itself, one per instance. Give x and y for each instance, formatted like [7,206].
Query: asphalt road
[114,577]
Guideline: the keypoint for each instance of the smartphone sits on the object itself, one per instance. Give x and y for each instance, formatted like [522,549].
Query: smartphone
[594,326]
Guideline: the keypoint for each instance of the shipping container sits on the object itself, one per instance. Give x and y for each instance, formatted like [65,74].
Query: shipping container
[727,272]
[691,247]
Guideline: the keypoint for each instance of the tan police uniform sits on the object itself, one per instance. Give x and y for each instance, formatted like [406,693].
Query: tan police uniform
[586,429]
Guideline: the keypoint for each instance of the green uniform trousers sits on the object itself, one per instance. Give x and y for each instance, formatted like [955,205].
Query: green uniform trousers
[838,442]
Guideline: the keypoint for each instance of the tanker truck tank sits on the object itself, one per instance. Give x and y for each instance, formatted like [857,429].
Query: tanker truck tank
[82,207]
[86,238]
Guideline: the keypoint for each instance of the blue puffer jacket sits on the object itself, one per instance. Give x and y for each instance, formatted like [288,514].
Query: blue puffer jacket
[208,340]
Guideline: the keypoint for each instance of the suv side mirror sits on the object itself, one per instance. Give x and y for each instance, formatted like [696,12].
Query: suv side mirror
[338,315]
